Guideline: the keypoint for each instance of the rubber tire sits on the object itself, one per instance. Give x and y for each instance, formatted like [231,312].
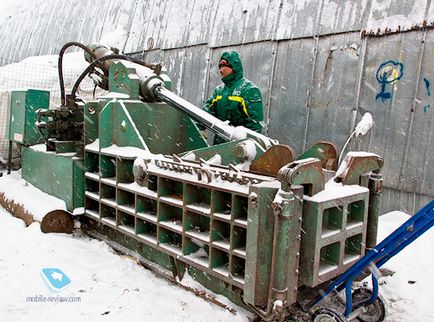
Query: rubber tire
[327,315]
[375,312]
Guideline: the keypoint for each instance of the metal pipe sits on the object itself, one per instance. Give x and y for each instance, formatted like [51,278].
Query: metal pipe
[286,214]
[375,184]
[199,115]
[282,247]
[10,157]
[270,84]
[360,78]
[267,314]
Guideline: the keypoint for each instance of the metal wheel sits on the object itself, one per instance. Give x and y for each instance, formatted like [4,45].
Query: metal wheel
[374,312]
[327,315]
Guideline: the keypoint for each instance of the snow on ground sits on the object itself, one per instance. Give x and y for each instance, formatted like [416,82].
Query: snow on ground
[111,287]
[409,292]
[24,193]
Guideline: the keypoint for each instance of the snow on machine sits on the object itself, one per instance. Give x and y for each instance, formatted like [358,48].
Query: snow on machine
[247,218]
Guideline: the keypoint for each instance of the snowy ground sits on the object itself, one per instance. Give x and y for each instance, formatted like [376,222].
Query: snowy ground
[110,287]
[115,288]
[409,292]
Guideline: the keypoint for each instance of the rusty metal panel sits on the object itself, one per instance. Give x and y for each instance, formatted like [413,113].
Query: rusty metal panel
[65,19]
[171,24]
[342,16]
[66,22]
[42,27]
[388,89]
[408,202]
[430,14]
[298,19]
[395,16]
[30,45]
[29,21]
[333,92]
[257,60]
[418,174]
[51,29]
[189,23]
[46,26]
[291,81]
[84,34]
[93,34]
[151,56]
[391,200]
[187,68]
[239,22]
[14,45]
[118,18]
[146,27]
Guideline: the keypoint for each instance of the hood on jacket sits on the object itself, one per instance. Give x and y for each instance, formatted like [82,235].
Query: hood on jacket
[233,58]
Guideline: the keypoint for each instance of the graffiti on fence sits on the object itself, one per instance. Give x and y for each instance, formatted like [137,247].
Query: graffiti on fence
[428,91]
[387,75]
[427,85]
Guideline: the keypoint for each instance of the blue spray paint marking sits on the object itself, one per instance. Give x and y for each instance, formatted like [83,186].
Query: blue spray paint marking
[427,84]
[388,72]
[426,108]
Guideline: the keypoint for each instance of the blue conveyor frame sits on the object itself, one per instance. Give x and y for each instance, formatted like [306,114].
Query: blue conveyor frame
[403,236]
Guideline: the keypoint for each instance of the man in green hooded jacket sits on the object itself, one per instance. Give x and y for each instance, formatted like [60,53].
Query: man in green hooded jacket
[238,100]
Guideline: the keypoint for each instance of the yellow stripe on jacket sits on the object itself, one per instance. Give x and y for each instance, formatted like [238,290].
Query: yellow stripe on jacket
[218,97]
[239,99]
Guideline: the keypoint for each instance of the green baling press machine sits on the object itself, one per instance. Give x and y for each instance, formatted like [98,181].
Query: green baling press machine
[246,218]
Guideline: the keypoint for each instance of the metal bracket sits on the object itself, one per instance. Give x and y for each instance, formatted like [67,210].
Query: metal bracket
[306,172]
[272,160]
[355,165]
[325,151]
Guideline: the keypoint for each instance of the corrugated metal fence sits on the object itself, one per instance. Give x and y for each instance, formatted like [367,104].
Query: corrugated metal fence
[320,65]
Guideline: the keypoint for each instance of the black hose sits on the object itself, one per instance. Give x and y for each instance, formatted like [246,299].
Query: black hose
[92,65]
[60,66]
[94,91]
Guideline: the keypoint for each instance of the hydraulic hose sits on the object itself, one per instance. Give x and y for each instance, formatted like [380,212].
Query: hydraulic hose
[60,66]
[160,92]
[92,65]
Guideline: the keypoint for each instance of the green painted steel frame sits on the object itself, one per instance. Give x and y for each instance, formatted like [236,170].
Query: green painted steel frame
[22,107]
[164,260]
[334,236]
[59,175]
[154,127]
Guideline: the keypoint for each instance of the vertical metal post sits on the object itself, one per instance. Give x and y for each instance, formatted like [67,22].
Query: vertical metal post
[285,253]
[10,157]
[270,85]
[375,185]
[282,224]
[285,264]
[312,77]
[414,105]
[360,79]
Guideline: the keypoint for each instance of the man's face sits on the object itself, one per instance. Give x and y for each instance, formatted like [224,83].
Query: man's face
[225,69]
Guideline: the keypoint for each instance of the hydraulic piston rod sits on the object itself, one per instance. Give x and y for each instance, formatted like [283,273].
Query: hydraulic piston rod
[152,86]
[199,115]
